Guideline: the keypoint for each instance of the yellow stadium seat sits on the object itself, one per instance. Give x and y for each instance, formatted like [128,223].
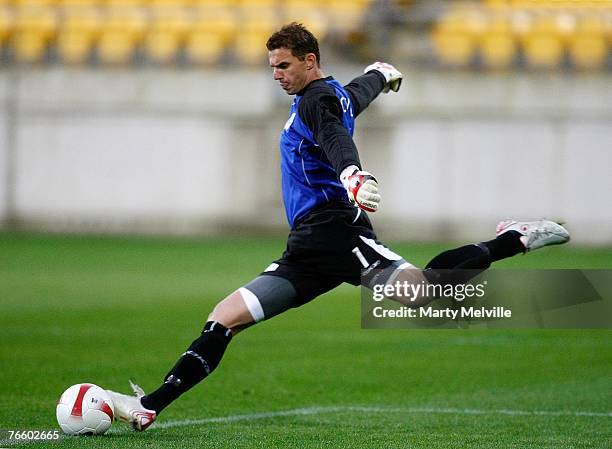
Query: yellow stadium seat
[543,43]
[122,33]
[168,3]
[258,18]
[250,47]
[215,20]
[82,19]
[174,20]
[214,26]
[123,3]
[34,3]
[301,5]
[257,24]
[78,32]
[607,27]
[454,49]
[78,3]
[303,12]
[29,47]
[6,24]
[224,4]
[116,48]
[34,29]
[456,35]
[166,33]
[498,47]
[74,47]
[496,3]
[162,47]
[258,3]
[588,48]
[527,4]
[345,15]
[204,47]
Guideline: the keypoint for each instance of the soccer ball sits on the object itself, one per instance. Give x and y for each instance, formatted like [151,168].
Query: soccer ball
[85,409]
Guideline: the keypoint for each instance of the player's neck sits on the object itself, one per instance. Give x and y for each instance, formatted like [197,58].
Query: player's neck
[313,75]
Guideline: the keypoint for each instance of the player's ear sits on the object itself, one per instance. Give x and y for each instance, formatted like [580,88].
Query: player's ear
[311,61]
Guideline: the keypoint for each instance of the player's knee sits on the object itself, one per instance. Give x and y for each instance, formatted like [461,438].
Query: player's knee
[260,299]
[231,312]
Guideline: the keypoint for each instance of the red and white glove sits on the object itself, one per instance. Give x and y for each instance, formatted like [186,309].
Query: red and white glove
[392,76]
[361,187]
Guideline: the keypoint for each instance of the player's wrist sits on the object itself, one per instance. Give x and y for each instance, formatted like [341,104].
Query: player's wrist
[393,77]
[346,172]
[378,75]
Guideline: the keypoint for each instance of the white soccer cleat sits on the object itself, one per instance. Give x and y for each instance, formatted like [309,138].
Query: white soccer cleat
[535,234]
[129,409]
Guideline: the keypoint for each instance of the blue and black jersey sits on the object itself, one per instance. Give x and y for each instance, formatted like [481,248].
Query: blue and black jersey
[316,143]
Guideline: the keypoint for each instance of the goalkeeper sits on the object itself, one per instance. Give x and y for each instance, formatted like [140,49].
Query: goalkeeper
[326,194]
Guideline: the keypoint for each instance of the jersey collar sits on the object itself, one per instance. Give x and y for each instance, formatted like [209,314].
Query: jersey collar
[301,92]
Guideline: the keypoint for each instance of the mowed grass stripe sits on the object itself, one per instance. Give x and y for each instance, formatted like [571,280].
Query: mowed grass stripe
[370,409]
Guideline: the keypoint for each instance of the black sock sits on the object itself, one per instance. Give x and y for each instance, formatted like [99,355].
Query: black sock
[459,265]
[506,245]
[200,359]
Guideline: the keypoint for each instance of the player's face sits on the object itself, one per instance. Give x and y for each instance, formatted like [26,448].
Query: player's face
[289,71]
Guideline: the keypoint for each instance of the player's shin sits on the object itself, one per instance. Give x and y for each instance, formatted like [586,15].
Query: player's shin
[200,359]
[461,264]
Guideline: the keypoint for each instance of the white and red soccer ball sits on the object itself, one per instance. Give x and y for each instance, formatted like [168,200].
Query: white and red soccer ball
[85,409]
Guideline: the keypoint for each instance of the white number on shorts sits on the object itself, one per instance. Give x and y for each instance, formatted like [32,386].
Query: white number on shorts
[359,256]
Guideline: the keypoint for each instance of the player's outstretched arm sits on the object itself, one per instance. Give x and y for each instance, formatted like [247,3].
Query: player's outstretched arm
[378,77]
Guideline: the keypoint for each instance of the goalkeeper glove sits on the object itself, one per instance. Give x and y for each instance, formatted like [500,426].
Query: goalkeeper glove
[361,187]
[393,77]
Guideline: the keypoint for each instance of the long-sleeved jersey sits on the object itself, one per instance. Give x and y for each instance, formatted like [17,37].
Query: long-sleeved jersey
[316,143]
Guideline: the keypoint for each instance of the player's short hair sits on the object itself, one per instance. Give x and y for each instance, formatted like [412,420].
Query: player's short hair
[297,38]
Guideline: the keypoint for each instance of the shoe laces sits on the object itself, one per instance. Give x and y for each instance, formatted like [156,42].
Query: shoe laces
[138,391]
[537,232]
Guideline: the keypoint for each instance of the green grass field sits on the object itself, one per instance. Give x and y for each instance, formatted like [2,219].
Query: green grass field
[77,309]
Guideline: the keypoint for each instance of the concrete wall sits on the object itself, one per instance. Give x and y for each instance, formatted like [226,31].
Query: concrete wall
[194,151]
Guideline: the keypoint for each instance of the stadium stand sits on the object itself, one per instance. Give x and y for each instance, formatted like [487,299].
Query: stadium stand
[492,34]
[544,34]
[162,31]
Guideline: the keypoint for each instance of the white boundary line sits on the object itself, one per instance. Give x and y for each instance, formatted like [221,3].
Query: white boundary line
[365,409]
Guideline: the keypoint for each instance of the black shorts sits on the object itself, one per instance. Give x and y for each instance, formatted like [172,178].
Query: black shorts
[334,243]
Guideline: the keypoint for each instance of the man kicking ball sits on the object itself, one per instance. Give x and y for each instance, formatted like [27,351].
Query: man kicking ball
[327,195]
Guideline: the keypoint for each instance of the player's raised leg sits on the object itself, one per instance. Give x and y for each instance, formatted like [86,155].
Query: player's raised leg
[513,237]
[461,264]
